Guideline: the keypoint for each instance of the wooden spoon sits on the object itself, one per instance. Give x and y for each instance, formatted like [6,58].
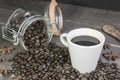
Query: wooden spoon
[110,29]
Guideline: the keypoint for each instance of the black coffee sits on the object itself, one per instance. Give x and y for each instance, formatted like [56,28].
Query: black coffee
[85,40]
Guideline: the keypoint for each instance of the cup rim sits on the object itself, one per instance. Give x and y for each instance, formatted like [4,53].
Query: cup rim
[101,42]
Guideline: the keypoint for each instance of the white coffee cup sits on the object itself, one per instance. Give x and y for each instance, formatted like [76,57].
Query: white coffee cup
[83,58]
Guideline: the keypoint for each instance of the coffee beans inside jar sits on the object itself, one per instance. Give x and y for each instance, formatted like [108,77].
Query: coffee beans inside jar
[47,61]
[36,35]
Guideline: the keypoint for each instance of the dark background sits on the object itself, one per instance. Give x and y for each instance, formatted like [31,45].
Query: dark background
[102,4]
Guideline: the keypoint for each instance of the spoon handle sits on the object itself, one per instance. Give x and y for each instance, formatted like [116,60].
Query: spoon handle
[109,29]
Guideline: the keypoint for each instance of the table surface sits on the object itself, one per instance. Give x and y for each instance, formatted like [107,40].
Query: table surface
[74,17]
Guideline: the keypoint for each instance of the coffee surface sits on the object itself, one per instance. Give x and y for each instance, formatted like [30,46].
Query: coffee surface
[85,40]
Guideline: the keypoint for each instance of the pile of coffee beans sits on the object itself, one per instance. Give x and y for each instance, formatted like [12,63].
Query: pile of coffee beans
[47,61]
[55,64]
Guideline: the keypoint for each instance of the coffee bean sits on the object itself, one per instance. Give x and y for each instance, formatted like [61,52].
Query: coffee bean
[83,78]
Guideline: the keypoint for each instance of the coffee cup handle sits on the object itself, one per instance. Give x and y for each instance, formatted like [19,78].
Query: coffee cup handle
[63,40]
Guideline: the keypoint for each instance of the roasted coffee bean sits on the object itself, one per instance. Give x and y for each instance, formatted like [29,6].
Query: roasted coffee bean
[83,78]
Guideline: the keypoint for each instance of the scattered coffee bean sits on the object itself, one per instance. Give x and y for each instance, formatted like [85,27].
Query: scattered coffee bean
[106,45]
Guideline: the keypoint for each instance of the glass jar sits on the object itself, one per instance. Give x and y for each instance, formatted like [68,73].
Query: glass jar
[20,20]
